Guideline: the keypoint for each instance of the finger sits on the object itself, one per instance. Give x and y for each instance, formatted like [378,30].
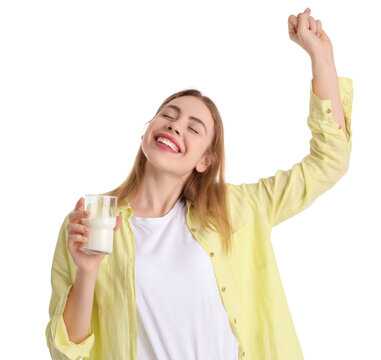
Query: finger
[77,229]
[313,25]
[318,27]
[303,23]
[72,239]
[76,216]
[292,24]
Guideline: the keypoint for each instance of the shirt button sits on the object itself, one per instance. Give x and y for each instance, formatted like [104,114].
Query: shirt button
[211,254]
[223,288]
[328,111]
[131,259]
[193,229]
[235,321]
[243,354]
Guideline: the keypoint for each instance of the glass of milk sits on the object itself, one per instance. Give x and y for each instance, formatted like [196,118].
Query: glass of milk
[101,222]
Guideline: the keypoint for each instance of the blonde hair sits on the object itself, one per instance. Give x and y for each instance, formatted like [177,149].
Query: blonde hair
[208,195]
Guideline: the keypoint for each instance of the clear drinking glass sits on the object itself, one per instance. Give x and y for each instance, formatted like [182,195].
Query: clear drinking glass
[102,220]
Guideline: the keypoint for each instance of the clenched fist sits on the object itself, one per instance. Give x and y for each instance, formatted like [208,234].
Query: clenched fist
[309,34]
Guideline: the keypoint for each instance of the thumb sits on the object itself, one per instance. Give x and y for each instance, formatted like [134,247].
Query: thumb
[323,34]
[79,206]
[118,222]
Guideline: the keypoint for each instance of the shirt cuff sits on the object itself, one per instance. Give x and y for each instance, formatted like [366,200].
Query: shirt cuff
[320,117]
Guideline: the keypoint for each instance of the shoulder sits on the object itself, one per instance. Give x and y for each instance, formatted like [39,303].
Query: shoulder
[242,202]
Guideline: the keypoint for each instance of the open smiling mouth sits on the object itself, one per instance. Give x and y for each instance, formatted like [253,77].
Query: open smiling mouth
[166,146]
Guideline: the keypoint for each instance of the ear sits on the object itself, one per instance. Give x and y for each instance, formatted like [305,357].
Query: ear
[203,165]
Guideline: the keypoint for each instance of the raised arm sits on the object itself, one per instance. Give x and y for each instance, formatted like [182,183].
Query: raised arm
[309,34]
[289,192]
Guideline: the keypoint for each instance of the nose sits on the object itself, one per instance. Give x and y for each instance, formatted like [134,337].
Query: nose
[170,127]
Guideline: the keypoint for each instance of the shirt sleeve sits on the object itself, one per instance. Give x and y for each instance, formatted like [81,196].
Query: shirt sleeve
[62,279]
[289,192]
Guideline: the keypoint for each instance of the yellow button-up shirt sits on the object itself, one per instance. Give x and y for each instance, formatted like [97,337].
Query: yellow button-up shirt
[248,278]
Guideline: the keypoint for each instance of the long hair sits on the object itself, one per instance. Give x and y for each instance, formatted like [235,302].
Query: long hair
[207,193]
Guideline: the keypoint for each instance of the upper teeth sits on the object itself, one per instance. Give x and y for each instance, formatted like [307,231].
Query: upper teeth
[167,142]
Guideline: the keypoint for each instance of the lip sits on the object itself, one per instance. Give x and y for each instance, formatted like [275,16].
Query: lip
[165,147]
[169,138]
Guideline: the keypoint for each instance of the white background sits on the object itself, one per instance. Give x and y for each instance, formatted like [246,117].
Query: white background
[78,81]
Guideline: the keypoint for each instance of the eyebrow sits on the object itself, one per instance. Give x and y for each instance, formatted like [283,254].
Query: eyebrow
[190,117]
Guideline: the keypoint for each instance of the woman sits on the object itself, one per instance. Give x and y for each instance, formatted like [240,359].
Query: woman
[192,274]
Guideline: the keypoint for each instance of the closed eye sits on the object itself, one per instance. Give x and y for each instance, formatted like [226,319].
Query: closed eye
[189,127]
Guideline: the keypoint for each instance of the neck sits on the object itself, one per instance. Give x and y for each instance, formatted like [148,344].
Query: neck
[158,193]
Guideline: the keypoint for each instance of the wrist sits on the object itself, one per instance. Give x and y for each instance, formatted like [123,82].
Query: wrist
[323,66]
[322,58]
[87,275]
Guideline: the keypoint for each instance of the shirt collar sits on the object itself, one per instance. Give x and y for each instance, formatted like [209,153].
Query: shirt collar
[128,209]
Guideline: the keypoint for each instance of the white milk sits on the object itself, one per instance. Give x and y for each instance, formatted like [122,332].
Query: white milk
[101,235]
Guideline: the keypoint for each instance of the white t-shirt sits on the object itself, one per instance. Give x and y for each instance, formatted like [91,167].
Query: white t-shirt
[180,314]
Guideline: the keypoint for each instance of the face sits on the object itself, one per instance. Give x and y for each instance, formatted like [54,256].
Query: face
[178,119]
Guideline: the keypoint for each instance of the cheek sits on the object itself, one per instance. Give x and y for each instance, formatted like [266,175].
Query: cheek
[198,148]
